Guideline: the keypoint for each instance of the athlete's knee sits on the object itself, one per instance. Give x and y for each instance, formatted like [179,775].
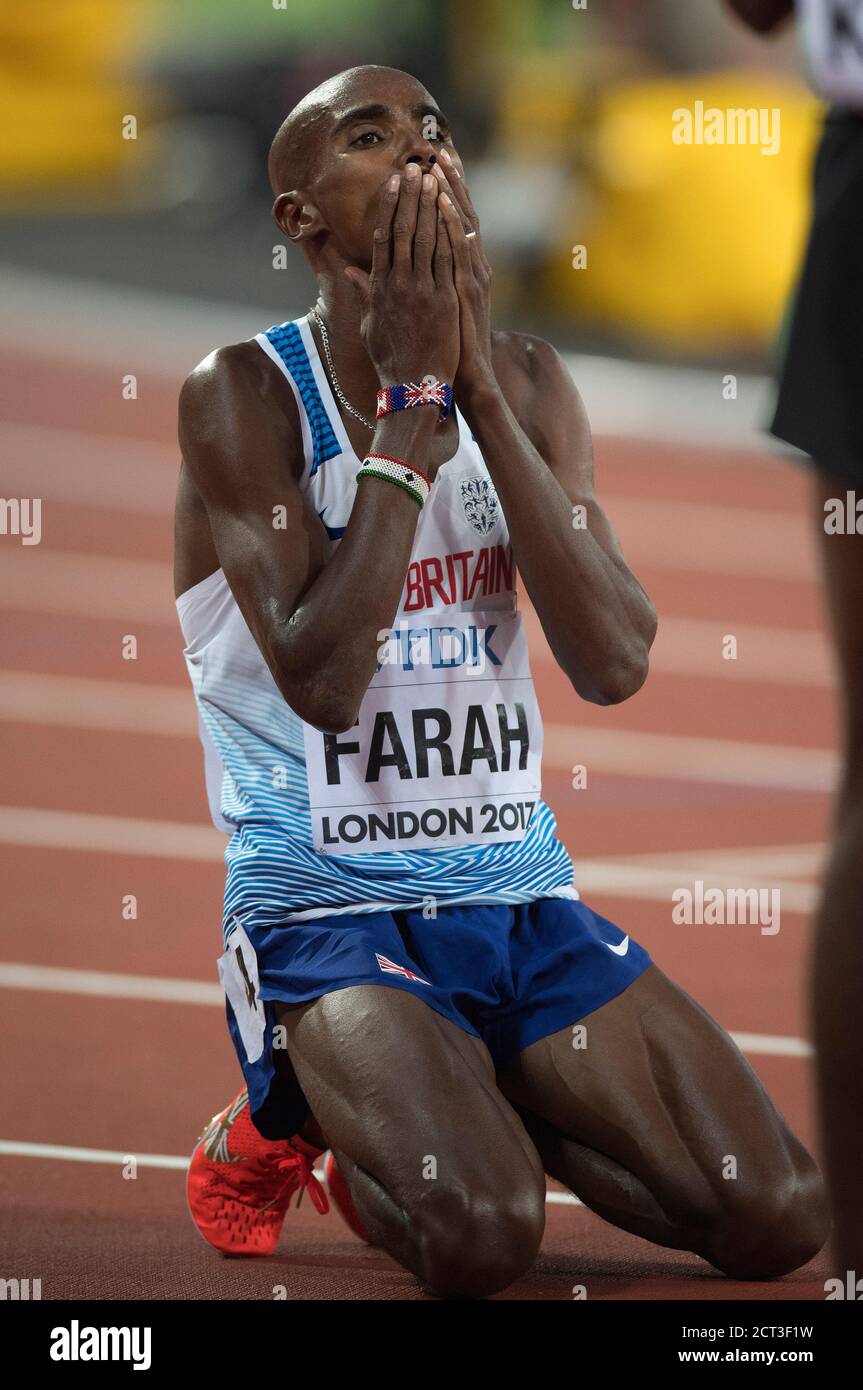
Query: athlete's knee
[773,1227]
[473,1244]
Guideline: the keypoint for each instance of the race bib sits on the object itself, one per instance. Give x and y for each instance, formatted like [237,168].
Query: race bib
[238,972]
[447,747]
[832,32]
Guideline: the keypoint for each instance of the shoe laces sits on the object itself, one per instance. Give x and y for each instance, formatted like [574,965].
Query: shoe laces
[298,1165]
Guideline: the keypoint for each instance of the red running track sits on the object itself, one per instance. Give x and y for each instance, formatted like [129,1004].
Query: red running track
[102,797]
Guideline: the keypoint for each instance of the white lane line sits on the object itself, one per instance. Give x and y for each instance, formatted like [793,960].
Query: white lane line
[44,580]
[685,758]
[77,830]
[766,1045]
[58,979]
[84,703]
[13,1148]
[769,655]
[713,539]
[169,333]
[654,877]
[789,861]
[127,473]
[100,324]
[693,647]
[36,580]
[645,883]
[677,404]
[17,1149]
[107,472]
[62,980]
[132,708]
[617,875]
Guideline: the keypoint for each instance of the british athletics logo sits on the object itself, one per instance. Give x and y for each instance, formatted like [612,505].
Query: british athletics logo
[389,967]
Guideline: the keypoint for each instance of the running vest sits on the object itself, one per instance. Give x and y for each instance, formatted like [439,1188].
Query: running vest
[434,795]
[832,34]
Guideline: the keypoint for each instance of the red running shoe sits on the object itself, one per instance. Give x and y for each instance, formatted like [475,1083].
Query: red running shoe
[334,1181]
[240,1185]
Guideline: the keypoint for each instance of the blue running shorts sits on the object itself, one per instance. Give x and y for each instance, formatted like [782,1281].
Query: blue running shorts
[508,975]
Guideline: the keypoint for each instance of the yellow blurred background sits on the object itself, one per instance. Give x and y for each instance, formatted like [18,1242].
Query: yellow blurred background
[564,119]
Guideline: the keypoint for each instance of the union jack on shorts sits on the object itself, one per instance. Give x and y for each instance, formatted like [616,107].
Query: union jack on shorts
[389,967]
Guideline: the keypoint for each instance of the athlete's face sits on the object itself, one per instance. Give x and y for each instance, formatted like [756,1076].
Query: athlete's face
[378,128]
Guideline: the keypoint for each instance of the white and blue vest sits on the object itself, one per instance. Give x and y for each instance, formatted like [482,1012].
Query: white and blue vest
[434,794]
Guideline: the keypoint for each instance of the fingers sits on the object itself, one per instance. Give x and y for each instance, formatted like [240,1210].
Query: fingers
[452,183]
[463,268]
[442,254]
[445,185]
[458,189]
[405,220]
[382,244]
[426,230]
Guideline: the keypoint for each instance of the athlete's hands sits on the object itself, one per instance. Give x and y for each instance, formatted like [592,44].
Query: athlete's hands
[472,274]
[409,304]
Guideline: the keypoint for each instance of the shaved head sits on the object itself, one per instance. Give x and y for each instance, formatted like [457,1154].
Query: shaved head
[333,156]
[296,149]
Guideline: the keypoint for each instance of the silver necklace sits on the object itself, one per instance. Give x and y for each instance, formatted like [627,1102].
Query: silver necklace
[313,313]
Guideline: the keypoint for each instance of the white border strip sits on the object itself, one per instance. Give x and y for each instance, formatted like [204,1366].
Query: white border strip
[58,979]
[132,707]
[12,1148]
[63,980]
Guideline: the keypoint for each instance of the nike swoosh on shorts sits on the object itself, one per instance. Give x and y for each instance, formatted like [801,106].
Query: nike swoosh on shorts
[619,950]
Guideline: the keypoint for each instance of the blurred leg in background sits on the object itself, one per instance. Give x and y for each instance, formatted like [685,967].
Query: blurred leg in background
[837,981]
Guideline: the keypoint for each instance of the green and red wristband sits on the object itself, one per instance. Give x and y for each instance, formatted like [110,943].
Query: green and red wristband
[392,470]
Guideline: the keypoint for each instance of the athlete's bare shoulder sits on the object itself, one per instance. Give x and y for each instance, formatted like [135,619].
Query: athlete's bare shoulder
[235,366]
[233,395]
[241,445]
[519,358]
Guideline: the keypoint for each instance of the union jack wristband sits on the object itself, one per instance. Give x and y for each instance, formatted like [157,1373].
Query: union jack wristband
[391,470]
[429,391]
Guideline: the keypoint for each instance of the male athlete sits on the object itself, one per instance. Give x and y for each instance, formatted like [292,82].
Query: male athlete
[818,410]
[406,959]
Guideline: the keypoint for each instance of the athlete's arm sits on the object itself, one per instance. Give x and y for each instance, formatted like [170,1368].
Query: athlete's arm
[316,619]
[761,15]
[597,618]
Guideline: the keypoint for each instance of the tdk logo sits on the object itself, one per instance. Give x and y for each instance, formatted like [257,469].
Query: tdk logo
[77,1343]
[441,648]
